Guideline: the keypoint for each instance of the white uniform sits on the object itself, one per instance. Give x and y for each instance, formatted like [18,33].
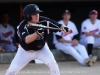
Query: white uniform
[7,34]
[38,49]
[24,57]
[87,26]
[78,52]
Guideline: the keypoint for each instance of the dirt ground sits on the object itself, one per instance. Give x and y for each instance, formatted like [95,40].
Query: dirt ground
[66,68]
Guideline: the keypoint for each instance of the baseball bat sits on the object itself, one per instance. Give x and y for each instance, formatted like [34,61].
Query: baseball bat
[36,26]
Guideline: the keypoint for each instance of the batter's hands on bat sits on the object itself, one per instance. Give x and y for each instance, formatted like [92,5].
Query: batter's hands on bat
[65,29]
[40,31]
[62,29]
[74,42]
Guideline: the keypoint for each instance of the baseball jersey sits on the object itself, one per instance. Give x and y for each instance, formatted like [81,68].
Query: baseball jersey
[39,43]
[7,33]
[87,26]
[68,35]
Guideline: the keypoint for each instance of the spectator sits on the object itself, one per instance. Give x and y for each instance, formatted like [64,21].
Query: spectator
[6,34]
[90,32]
[68,42]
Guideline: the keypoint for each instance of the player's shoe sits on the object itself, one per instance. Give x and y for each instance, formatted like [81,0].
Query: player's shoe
[93,59]
[88,62]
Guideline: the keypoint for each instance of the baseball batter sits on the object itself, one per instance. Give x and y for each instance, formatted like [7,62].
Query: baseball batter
[32,42]
[90,32]
[68,42]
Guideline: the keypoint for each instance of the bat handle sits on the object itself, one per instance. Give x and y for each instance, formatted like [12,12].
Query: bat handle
[69,30]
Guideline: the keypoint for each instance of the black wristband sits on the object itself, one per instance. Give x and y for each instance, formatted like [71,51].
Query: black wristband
[38,33]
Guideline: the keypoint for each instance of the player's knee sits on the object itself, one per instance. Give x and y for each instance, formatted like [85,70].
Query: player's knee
[90,39]
[82,47]
[71,51]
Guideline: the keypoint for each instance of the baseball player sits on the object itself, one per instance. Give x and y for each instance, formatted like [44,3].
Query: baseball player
[68,42]
[90,32]
[32,42]
[7,34]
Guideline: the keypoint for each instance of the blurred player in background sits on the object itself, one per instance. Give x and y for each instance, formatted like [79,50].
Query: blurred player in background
[68,43]
[7,34]
[90,32]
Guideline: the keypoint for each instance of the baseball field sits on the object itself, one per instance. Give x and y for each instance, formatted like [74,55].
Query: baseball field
[66,68]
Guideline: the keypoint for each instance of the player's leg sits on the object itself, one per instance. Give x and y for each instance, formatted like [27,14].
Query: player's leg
[82,51]
[8,47]
[83,42]
[97,43]
[88,42]
[47,57]
[4,46]
[21,59]
[13,48]
[91,41]
[71,51]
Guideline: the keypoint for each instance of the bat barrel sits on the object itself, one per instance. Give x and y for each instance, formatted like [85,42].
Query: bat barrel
[36,26]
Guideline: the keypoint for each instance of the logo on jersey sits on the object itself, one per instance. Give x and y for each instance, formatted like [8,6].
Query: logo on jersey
[94,31]
[67,33]
[7,34]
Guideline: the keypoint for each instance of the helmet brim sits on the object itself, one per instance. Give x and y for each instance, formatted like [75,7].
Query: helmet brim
[39,11]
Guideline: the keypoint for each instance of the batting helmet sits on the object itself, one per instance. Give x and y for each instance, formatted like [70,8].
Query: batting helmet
[30,10]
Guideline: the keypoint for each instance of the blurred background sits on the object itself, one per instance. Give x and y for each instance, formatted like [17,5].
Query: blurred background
[51,8]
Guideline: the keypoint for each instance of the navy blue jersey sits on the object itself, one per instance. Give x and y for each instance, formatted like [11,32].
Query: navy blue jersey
[39,43]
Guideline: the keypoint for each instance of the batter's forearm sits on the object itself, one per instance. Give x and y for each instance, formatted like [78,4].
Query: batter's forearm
[30,38]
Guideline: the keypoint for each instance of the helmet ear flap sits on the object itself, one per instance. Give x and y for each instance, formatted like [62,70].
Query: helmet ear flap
[27,17]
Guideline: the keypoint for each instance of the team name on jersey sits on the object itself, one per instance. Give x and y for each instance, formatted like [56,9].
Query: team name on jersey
[7,34]
[94,31]
[67,33]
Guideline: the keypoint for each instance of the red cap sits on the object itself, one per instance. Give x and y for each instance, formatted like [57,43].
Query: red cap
[94,12]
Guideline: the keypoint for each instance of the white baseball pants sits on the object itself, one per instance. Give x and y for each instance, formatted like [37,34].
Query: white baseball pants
[91,40]
[78,52]
[23,57]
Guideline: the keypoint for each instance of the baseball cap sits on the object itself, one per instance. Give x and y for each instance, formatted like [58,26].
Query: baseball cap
[94,12]
[66,11]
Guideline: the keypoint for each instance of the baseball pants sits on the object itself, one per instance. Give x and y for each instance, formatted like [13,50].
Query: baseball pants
[78,52]
[91,40]
[23,57]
